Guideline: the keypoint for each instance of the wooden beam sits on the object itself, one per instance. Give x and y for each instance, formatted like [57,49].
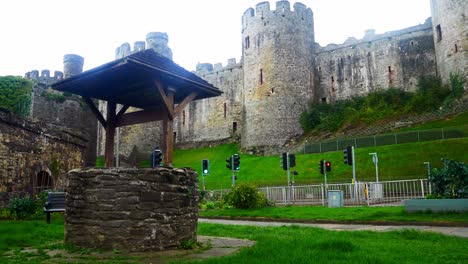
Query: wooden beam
[164,139]
[166,99]
[184,103]
[121,112]
[110,134]
[95,111]
[139,117]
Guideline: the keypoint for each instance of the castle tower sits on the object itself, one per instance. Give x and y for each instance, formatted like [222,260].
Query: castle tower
[450,41]
[158,42]
[277,57]
[72,65]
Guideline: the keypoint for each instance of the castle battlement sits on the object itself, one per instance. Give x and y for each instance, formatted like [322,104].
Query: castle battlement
[204,69]
[370,37]
[125,49]
[262,11]
[44,77]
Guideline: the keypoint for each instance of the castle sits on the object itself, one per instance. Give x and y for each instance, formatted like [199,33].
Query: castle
[283,69]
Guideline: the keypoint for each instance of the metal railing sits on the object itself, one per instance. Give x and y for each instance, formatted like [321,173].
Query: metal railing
[360,193]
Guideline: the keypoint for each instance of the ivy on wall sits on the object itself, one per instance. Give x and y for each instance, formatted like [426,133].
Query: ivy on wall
[15,95]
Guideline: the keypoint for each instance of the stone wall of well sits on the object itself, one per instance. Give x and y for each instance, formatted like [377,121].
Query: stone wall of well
[131,209]
[29,150]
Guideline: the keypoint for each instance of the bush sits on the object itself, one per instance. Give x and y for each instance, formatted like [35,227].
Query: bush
[20,208]
[245,196]
[451,181]
[15,95]
[380,105]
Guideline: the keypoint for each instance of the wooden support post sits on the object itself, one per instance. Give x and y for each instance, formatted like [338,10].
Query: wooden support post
[110,134]
[164,139]
[170,126]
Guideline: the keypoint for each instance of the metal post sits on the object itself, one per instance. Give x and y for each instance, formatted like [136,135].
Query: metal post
[203,181]
[233,177]
[375,159]
[354,172]
[325,172]
[323,201]
[289,172]
[428,168]
[422,189]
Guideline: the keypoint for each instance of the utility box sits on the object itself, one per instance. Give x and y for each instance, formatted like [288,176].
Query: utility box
[335,198]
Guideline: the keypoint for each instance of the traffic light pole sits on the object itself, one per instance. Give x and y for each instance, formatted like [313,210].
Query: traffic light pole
[233,177]
[325,172]
[354,173]
[289,169]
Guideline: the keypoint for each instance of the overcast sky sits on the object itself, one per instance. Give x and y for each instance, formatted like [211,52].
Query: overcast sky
[35,34]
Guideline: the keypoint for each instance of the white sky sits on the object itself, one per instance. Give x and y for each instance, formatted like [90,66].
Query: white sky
[35,34]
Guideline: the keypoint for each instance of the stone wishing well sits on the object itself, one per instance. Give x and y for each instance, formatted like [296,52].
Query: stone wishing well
[131,209]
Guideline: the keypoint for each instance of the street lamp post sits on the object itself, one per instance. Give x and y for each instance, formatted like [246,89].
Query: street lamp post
[375,159]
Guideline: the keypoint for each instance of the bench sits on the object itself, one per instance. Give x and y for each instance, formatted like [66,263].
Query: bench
[55,203]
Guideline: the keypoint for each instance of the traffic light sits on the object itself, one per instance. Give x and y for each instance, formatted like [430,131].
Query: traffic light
[321,166]
[229,163]
[292,160]
[205,166]
[236,162]
[284,161]
[156,158]
[348,155]
[328,166]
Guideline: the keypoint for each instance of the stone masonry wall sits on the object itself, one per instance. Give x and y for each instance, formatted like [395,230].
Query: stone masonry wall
[357,67]
[450,37]
[218,118]
[28,148]
[131,209]
[278,77]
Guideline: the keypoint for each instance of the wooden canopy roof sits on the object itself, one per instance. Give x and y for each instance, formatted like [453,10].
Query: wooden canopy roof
[144,80]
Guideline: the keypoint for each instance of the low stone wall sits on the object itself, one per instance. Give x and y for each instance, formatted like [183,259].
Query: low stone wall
[131,209]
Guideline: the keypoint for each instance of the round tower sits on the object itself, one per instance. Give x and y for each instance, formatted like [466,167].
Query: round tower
[158,42]
[72,65]
[277,61]
[450,41]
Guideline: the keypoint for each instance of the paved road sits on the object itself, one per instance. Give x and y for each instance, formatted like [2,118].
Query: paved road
[453,231]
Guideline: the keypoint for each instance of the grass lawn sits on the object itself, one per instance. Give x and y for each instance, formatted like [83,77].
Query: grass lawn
[404,161]
[311,245]
[460,119]
[388,213]
[273,245]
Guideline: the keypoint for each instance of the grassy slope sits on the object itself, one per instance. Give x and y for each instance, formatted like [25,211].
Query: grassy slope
[389,213]
[402,161]
[451,121]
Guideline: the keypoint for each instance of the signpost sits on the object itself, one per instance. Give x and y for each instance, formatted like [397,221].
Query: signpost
[375,159]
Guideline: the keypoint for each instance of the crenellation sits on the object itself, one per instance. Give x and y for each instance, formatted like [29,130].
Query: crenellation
[44,77]
[262,8]
[283,6]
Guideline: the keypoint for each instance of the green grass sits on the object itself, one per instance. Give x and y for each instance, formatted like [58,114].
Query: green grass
[403,161]
[457,120]
[291,244]
[388,213]
[311,245]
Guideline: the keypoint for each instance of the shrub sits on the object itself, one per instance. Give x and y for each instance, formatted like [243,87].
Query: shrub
[451,181]
[22,207]
[245,196]
[15,95]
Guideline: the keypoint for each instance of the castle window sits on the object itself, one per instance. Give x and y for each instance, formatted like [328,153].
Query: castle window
[439,33]
[412,43]
[333,80]
[234,127]
[225,110]
[261,76]
[43,182]
[389,69]
[175,137]
[456,48]
[247,42]
[324,99]
[183,117]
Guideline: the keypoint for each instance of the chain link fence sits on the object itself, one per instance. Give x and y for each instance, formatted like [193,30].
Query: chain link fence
[388,139]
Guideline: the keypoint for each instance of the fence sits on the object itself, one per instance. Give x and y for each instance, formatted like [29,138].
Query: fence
[389,139]
[370,193]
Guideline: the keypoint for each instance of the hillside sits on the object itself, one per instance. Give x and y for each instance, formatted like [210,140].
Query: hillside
[403,161]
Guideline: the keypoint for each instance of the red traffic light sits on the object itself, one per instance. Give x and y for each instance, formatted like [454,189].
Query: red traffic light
[328,166]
